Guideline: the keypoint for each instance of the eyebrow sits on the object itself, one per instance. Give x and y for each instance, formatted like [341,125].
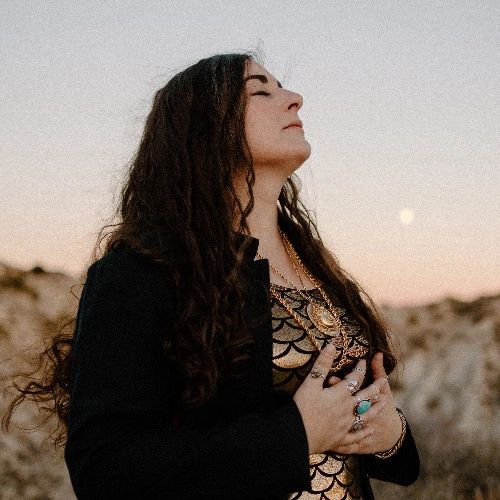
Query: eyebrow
[262,78]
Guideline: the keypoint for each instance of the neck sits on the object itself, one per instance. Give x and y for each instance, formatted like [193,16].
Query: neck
[263,225]
[263,219]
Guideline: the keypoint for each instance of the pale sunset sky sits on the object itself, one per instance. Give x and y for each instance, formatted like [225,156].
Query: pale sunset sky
[401,108]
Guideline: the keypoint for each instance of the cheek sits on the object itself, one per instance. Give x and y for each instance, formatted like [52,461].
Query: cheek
[260,120]
[260,134]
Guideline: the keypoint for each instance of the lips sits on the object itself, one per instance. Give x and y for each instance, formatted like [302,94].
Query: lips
[296,123]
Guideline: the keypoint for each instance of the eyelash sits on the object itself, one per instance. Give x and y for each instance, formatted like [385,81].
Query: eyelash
[261,93]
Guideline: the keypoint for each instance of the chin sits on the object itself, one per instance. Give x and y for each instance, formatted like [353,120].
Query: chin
[289,159]
[296,161]
[304,153]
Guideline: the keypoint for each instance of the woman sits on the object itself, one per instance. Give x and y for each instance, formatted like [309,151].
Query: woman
[199,366]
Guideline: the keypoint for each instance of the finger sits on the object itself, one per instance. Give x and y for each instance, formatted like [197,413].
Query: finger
[356,376]
[322,364]
[378,366]
[386,388]
[350,449]
[379,371]
[333,380]
[374,389]
[353,440]
[357,447]
[355,437]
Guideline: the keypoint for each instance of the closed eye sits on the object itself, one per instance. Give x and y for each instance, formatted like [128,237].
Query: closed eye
[261,93]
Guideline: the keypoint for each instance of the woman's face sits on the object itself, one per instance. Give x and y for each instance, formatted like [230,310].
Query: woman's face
[270,109]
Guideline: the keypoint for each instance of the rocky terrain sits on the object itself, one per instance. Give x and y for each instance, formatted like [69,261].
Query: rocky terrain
[32,305]
[447,383]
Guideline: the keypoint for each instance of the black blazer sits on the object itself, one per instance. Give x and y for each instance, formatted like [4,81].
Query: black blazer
[124,440]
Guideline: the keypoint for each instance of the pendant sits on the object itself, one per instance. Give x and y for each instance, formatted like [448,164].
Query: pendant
[323,319]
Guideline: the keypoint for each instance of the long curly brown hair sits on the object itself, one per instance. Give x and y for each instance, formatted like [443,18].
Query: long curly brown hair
[179,187]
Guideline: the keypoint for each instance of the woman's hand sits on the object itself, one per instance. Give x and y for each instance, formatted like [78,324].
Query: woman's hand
[386,424]
[327,413]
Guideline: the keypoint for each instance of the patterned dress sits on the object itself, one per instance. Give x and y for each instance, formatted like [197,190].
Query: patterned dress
[333,475]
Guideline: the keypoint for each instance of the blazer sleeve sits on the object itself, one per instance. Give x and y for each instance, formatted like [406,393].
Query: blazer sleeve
[121,441]
[402,468]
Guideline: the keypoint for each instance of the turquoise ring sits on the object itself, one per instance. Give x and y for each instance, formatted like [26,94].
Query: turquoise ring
[362,406]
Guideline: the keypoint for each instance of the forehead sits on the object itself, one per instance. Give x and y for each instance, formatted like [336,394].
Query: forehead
[254,67]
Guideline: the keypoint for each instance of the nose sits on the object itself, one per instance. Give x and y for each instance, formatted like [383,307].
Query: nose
[295,99]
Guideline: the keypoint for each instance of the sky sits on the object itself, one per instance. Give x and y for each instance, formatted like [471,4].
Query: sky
[401,108]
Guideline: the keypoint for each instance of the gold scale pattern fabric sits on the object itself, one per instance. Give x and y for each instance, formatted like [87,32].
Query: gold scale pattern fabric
[333,475]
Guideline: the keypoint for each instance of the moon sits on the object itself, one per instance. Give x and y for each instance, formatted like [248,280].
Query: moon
[406,216]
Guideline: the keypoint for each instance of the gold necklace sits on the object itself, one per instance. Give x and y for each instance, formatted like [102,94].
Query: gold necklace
[325,320]
[298,319]
[340,343]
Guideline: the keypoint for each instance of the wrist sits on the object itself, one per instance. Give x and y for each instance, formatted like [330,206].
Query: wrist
[309,428]
[397,445]
[398,428]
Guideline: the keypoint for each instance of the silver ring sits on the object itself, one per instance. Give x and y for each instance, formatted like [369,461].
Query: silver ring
[351,385]
[317,372]
[362,370]
[352,381]
[359,423]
